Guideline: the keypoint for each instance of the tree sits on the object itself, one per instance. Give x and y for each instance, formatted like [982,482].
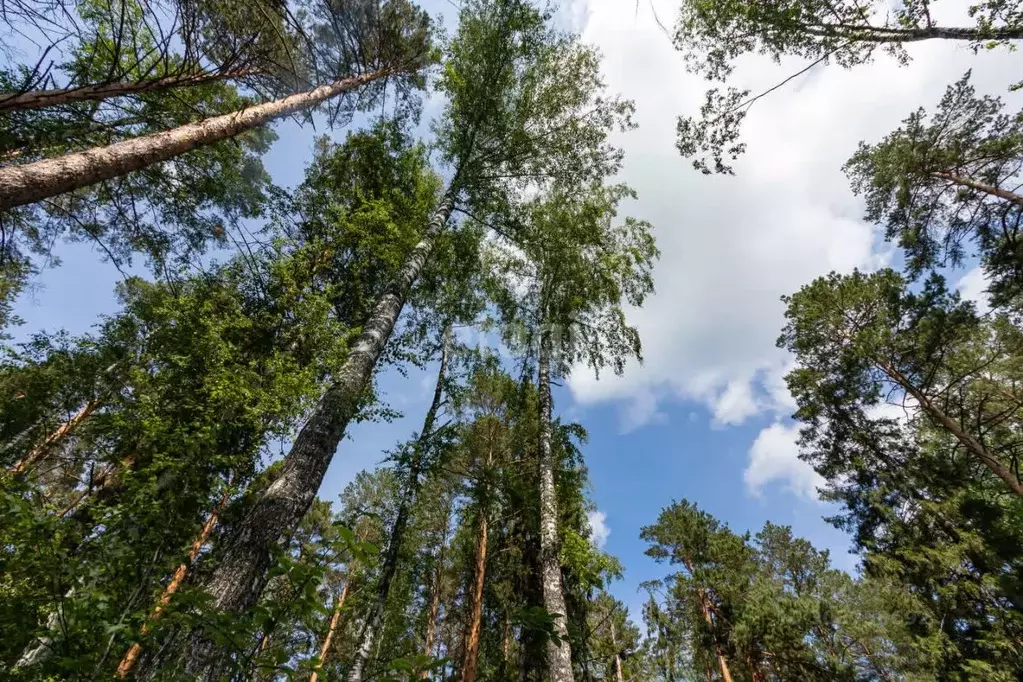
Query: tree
[578,268]
[937,472]
[711,35]
[860,336]
[390,52]
[771,608]
[480,108]
[414,461]
[241,572]
[941,183]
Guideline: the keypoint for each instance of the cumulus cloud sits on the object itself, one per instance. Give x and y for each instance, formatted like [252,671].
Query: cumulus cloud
[973,287]
[599,532]
[731,246]
[774,457]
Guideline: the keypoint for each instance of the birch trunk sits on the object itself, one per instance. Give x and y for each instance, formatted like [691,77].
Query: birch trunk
[618,654]
[237,582]
[559,655]
[132,655]
[32,182]
[371,628]
[335,618]
[38,99]
[65,429]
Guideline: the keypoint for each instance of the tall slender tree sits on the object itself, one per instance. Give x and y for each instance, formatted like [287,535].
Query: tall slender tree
[579,268]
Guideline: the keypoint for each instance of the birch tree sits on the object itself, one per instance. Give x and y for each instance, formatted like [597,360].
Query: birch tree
[561,303]
[524,103]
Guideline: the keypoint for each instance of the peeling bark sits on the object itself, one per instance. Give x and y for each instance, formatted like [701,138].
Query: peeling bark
[62,432]
[335,618]
[471,647]
[431,623]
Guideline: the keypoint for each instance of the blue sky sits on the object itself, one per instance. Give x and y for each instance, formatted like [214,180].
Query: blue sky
[705,417]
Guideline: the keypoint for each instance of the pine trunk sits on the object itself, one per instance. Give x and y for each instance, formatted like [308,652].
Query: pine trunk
[132,655]
[981,187]
[238,581]
[967,440]
[38,99]
[371,628]
[62,432]
[431,622]
[471,647]
[335,618]
[559,655]
[726,674]
[32,182]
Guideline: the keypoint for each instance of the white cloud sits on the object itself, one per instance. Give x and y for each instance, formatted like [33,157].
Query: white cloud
[599,531]
[731,246]
[641,410]
[973,287]
[774,457]
[735,403]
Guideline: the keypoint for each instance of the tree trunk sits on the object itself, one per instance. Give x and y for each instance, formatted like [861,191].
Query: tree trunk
[981,186]
[618,654]
[431,622]
[371,628]
[37,99]
[967,440]
[62,432]
[41,649]
[726,675]
[130,658]
[335,618]
[32,182]
[471,647]
[705,610]
[559,655]
[237,582]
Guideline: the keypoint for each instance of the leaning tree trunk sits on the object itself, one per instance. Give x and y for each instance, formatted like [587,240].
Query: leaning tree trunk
[374,620]
[966,439]
[32,182]
[62,432]
[559,655]
[236,583]
[328,641]
[132,655]
[38,99]
[993,190]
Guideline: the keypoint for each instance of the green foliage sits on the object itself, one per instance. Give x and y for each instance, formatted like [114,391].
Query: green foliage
[928,515]
[771,606]
[933,184]
[713,34]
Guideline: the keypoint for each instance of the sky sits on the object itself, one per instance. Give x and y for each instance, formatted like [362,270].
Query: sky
[706,416]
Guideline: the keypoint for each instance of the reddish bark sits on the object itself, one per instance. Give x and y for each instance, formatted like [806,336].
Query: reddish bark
[131,657]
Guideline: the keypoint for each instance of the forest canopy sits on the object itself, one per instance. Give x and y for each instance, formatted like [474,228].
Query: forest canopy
[461,226]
